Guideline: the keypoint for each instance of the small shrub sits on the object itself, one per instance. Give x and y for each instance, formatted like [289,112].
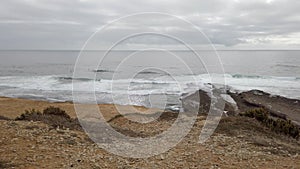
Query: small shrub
[32,113]
[52,116]
[56,111]
[4,118]
[279,126]
[259,114]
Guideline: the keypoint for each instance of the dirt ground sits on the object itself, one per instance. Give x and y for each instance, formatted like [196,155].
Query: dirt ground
[238,143]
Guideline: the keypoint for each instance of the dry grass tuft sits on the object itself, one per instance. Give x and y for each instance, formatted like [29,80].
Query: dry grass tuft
[277,125]
[4,118]
[52,116]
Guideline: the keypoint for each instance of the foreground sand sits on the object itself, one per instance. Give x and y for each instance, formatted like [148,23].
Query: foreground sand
[238,143]
[14,107]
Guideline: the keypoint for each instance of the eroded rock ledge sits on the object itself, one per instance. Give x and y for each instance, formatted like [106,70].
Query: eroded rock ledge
[279,107]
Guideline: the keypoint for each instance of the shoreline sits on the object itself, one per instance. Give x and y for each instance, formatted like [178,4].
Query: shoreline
[12,107]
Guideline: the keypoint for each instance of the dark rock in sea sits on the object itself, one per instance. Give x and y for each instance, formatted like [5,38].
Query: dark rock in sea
[103,71]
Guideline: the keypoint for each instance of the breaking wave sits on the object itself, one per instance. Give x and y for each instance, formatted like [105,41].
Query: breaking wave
[60,87]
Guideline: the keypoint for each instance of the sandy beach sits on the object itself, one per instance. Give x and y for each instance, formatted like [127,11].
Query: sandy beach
[14,107]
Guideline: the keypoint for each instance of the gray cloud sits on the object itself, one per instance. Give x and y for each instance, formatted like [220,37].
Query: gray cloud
[56,24]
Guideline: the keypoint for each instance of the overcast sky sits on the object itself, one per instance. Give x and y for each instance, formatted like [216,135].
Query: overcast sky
[229,24]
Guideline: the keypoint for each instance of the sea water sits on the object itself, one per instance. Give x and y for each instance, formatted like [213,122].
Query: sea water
[146,78]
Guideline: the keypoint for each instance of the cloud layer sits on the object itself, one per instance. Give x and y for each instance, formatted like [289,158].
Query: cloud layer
[231,24]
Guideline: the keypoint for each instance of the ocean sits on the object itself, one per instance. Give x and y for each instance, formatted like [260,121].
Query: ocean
[148,78]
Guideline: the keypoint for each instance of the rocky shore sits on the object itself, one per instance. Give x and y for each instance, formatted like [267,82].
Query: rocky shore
[278,106]
[239,142]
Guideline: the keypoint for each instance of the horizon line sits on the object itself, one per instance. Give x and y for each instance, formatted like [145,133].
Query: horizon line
[146,50]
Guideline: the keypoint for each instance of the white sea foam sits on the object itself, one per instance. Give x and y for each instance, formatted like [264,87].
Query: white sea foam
[60,88]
